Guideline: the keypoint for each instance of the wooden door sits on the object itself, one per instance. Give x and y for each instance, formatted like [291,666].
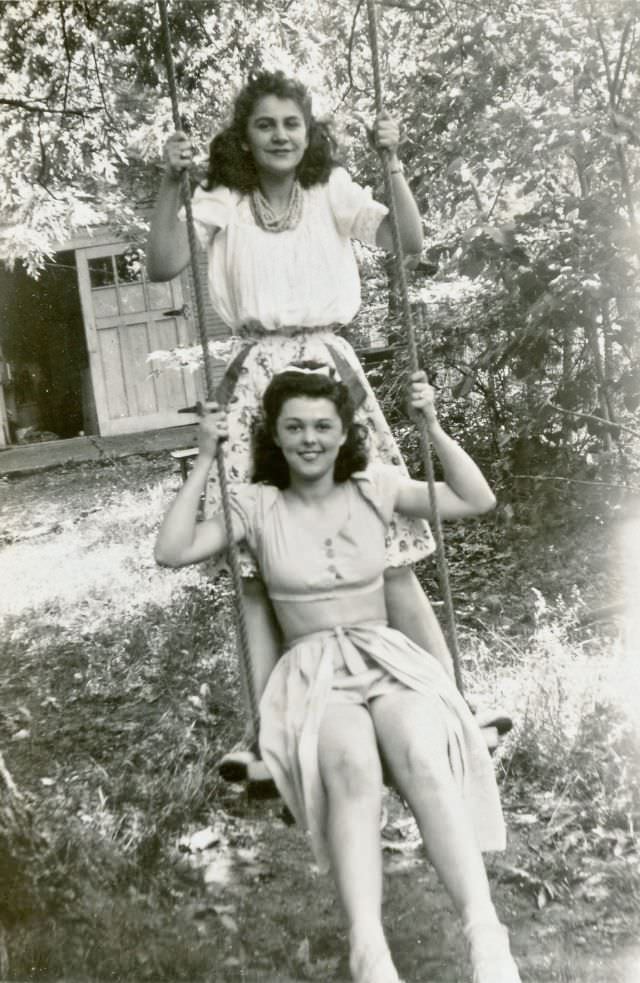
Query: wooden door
[127,317]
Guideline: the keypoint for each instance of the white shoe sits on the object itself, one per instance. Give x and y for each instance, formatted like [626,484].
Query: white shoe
[491,957]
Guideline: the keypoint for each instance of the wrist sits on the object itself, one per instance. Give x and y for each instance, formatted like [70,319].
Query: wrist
[204,460]
[433,423]
[395,165]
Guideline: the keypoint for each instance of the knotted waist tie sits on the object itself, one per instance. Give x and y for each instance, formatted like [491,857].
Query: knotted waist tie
[345,371]
[347,638]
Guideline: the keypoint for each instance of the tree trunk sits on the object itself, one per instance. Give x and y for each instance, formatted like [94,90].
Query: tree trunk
[603,397]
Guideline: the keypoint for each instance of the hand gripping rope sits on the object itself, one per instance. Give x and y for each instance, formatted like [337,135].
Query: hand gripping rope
[407,314]
[242,638]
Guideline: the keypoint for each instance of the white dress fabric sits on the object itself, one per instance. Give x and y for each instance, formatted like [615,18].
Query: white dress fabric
[305,277]
[283,296]
[333,585]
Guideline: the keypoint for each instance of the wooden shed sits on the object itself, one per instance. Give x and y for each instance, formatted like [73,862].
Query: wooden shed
[75,344]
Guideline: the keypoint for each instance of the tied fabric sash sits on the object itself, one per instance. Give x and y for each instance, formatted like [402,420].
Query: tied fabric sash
[345,373]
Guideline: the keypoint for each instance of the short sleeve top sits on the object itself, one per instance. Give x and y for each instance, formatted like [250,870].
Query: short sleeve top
[303,277]
[294,561]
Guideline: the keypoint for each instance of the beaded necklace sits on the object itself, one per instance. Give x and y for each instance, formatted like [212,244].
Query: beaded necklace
[267,219]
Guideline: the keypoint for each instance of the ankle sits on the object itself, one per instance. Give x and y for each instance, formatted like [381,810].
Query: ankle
[480,917]
[370,959]
[490,953]
[366,936]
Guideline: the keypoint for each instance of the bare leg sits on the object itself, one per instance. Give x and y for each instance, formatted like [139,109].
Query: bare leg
[409,611]
[412,736]
[352,777]
[413,739]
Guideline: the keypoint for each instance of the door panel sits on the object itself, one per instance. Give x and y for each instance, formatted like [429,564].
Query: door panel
[126,318]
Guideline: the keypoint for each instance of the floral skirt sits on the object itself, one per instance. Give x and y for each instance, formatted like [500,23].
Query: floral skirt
[408,540]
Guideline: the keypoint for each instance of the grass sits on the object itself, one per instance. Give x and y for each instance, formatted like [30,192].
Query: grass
[119,693]
[571,765]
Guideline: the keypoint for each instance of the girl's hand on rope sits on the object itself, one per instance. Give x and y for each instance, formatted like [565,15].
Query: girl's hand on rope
[177,154]
[214,427]
[386,133]
[422,398]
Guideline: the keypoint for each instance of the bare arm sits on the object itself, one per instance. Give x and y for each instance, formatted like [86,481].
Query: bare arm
[465,491]
[387,135]
[181,540]
[167,249]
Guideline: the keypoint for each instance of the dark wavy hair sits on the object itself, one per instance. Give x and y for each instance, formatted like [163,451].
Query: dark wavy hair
[230,164]
[270,465]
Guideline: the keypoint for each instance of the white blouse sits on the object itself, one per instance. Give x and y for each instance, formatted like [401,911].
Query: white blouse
[307,276]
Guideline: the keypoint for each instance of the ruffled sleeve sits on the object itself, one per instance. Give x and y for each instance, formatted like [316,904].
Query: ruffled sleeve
[379,486]
[243,501]
[212,210]
[355,212]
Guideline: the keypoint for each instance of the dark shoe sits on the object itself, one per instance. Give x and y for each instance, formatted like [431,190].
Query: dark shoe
[493,725]
[494,718]
[234,765]
[260,784]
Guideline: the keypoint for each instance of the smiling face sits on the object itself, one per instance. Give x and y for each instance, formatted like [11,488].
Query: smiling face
[309,433]
[277,135]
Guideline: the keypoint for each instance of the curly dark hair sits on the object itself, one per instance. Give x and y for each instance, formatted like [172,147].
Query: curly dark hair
[270,465]
[233,166]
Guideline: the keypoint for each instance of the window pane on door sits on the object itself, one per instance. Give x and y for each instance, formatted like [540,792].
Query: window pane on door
[101,272]
[131,298]
[160,296]
[105,302]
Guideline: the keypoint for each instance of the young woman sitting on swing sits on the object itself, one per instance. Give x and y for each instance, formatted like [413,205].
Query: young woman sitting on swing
[350,692]
[276,216]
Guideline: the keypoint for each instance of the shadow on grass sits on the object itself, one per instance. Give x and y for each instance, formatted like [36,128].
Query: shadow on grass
[112,740]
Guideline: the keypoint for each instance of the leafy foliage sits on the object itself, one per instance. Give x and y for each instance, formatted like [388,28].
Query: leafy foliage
[521,142]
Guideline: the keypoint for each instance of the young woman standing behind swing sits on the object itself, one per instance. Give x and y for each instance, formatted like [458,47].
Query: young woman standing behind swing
[276,216]
[350,691]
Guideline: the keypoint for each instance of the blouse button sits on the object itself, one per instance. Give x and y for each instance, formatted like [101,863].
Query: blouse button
[328,542]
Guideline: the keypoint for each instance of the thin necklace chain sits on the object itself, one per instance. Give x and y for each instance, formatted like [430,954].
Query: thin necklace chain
[267,219]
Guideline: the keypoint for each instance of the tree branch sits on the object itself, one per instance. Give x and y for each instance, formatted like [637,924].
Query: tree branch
[36,108]
[350,48]
[576,481]
[403,5]
[590,416]
[65,41]
[102,95]
[611,89]
[616,94]
[627,67]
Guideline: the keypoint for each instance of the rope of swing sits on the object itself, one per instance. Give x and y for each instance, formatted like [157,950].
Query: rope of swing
[407,315]
[242,636]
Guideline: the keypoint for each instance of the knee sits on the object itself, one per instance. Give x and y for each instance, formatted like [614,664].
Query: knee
[427,767]
[354,772]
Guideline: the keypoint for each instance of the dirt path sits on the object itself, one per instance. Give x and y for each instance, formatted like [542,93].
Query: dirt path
[282,924]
